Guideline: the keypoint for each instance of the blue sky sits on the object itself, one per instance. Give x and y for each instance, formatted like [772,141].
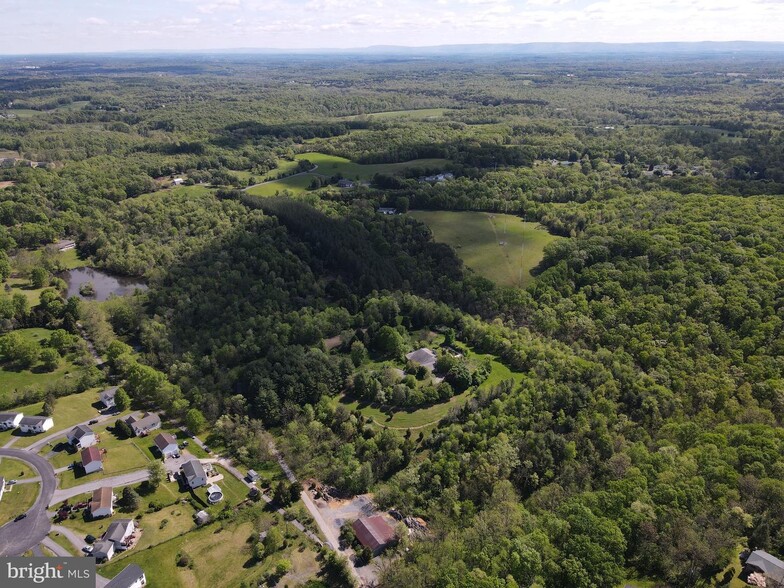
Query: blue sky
[53,26]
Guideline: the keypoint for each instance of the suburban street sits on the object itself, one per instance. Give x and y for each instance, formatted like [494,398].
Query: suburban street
[114,481]
[18,537]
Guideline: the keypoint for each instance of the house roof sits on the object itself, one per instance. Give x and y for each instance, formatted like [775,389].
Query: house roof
[423,356]
[202,517]
[103,548]
[34,420]
[769,564]
[8,416]
[130,574]
[80,431]
[193,469]
[102,498]
[117,530]
[90,454]
[373,532]
[163,440]
[109,392]
[149,419]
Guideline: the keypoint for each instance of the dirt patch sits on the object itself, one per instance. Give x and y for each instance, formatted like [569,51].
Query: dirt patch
[6,184]
[333,342]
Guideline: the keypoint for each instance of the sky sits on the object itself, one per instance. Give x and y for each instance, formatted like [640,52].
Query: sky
[65,26]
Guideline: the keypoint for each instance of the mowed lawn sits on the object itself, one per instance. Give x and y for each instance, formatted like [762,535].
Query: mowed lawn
[15,469]
[329,165]
[415,114]
[295,184]
[16,500]
[500,247]
[13,379]
[220,558]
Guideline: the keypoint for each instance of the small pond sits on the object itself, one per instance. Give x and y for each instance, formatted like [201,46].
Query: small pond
[104,285]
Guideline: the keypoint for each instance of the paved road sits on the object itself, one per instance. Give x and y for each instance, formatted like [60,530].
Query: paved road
[101,418]
[114,481]
[18,537]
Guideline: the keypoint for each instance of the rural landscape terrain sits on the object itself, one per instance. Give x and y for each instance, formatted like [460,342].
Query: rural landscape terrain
[468,320]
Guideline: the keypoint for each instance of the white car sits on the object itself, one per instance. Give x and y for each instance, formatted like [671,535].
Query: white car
[10,482]
[87,548]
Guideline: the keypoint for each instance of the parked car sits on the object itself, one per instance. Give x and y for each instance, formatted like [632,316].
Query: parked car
[93,421]
[11,482]
[87,548]
[71,466]
[185,443]
[20,517]
[89,539]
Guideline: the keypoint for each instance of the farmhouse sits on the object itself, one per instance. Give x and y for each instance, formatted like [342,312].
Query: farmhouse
[193,473]
[423,356]
[10,420]
[387,211]
[65,245]
[166,444]
[345,183]
[131,577]
[107,397]
[119,533]
[82,436]
[102,503]
[149,422]
[35,424]
[374,533]
[91,460]
[762,563]
[103,550]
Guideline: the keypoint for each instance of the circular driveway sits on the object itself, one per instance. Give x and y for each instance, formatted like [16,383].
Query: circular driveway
[18,537]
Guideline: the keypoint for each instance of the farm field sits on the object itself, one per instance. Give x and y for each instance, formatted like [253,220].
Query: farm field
[477,238]
[294,184]
[220,557]
[415,114]
[15,380]
[329,165]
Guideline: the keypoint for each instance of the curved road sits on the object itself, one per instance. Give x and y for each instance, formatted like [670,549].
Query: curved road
[18,537]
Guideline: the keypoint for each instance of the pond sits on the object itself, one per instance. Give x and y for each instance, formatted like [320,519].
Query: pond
[104,285]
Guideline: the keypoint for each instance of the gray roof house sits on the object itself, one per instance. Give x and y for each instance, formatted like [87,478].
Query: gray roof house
[119,531]
[82,436]
[423,356]
[10,420]
[770,566]
[193,473]
[132,576]
[149,422]
[103,550]
[107,396]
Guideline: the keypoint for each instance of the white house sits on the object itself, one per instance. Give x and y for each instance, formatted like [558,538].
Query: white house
[35,424]
[91,460]
[131,577]
[107,396]
[10,420]
[102,503]
[82,436]
[166,444]
[119,532]
[103,550]
[141,427]
[194,474]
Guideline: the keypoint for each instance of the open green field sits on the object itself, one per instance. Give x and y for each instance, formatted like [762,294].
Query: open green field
[415,114]
[220,558]
[329,165]
[16,500]
[69,410]
[15,469]
[12,379]
[295,184]
[63,542]
[22,285]
[499,247]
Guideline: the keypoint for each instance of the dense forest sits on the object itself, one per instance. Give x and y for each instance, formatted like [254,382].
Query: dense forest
[642,432]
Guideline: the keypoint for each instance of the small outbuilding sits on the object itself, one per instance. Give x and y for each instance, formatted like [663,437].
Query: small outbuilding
[763,563]
[374,532]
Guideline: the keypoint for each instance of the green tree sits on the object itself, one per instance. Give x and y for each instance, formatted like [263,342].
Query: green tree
[50,359]
[122,429]
[121,400]
[130,499]
[157,474]
[283,567]
[389,342]
[195,421]
[358,353]
[273,541]
[49,404]
[39,277]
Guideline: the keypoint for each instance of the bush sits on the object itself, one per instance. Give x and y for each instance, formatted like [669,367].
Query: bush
[184,560]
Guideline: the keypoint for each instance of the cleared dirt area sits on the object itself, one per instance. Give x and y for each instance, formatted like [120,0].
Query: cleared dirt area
[6,185]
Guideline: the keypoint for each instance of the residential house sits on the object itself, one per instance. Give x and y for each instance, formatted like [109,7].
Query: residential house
[193,473]
[423,356]
[252,476]
[82,436]
[91,460]
[141,427]
[166,444]
[10,420]
[119,533]
[2,487]
[344,183]
[178,181]
[65,245]
[387,211]
[35,424]
[132,576]
[762,563]
[102,503]
[107,396]
[103,550]
[374,533]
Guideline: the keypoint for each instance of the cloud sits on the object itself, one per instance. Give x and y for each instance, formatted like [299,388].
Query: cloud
[219,6]
[96,22]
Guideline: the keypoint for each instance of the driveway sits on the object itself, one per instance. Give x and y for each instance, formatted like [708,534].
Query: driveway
[18,537]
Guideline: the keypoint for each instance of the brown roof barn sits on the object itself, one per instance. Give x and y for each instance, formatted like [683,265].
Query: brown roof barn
[374,533]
